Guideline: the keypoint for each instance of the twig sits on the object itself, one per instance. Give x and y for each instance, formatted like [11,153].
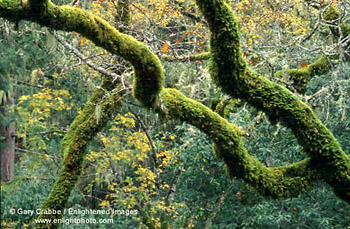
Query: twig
[144,128]
[40,154]
[84,59]
[30,85]
[218,206]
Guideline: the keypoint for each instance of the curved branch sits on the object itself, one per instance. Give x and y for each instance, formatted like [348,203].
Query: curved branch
[73,147]
[149,73]
[300,77]
[277,182]
[229,70]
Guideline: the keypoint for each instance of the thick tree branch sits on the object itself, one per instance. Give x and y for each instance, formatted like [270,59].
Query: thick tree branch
[277,182]
[229,70]
[73,147]
[149,73]
[231,73]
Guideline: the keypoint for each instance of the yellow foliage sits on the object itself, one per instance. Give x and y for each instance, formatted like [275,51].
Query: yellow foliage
[111,188]
[259,20]
[104,204]
[144,184]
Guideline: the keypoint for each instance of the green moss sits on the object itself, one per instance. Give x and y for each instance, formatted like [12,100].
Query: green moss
[331,13]
[226,106]
[234,77]
[194,57]
[223,108]
[302,76]
[73,147]
[149,73]
[200,56]
[12,10]
[279,182]
[123,12]
[214,102]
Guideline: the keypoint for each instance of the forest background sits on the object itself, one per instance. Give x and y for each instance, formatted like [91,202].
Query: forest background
[166,170]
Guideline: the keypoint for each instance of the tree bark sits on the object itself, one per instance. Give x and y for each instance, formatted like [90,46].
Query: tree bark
[7,146]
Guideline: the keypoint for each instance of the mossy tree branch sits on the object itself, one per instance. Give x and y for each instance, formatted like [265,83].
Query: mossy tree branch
[149,73]
[73,147]
[185,58]
[279,182]
[300,77]
[229,70]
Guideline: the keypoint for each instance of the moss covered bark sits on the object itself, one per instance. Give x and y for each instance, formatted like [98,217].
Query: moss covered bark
[300,77]
[194,57]
[73,147]
[149,73]
[231,73]
[278,182]
[229,70]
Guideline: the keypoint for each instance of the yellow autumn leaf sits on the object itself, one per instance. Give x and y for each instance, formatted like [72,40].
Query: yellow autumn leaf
[104,140]
[111,188]
[104,203]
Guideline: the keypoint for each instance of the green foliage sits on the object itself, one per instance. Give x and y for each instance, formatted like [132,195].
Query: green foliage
[120,170]
[328,95]
[274,145]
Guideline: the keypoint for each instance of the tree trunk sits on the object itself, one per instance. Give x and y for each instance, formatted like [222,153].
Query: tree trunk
[7,147]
